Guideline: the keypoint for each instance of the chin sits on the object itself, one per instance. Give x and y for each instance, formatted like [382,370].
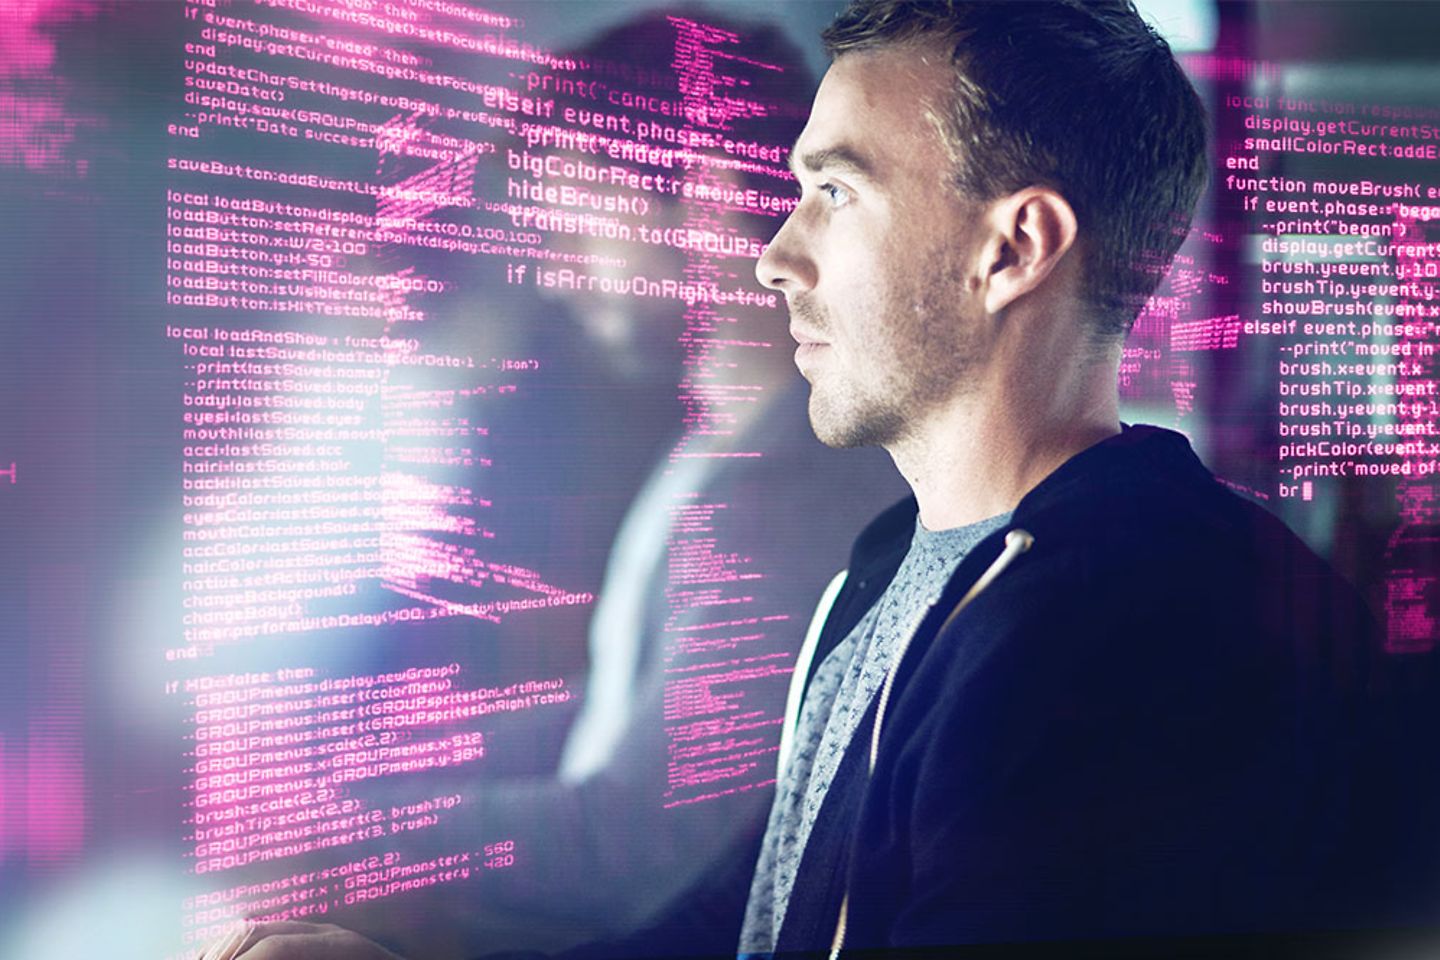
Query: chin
[836,441]
[846,430]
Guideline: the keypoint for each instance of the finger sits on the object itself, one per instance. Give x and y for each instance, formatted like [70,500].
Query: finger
[256,933]
[245,940]
[307,946]
[271,928]
[288,946]
[229,945]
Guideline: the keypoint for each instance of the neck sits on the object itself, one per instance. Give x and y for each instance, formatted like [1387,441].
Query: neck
[977,456]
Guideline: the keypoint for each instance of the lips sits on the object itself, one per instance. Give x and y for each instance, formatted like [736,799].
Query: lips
[808,351]
[806,339]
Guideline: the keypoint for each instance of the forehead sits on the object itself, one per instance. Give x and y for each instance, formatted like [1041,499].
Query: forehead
[873,104]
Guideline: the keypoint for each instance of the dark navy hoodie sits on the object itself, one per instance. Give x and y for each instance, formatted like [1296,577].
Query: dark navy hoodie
[1166,717]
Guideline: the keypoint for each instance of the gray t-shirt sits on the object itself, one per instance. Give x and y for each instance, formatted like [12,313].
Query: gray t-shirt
[836,700]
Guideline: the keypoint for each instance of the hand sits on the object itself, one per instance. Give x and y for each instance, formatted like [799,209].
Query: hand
[292,940]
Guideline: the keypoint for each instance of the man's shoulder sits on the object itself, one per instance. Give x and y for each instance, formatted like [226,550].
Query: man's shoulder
[1137,551]
[1142,504]
[1141,601]
[1123,501]
[1135,535]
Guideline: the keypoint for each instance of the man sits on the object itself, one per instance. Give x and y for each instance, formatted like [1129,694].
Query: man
[1073,690]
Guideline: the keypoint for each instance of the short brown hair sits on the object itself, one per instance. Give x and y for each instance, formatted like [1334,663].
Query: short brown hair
[1078,95]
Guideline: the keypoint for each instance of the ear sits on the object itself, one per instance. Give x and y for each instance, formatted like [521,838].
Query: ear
[1031,231]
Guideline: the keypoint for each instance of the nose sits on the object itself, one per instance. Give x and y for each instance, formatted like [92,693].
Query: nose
[786,264]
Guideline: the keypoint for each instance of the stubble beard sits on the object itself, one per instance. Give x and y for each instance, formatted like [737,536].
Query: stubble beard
[925,363]
[857,421]
[843,414]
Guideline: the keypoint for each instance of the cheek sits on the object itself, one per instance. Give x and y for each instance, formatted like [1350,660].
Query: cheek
[860,259]
[856,276]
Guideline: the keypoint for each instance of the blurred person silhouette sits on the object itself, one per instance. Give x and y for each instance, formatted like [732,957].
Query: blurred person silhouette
[607,843]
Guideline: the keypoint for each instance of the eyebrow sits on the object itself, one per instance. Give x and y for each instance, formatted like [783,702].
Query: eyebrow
[837,157]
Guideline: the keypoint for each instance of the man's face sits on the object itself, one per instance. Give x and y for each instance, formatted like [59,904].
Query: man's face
[876,261]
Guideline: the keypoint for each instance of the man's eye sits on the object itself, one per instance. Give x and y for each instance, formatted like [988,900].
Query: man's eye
[838,195]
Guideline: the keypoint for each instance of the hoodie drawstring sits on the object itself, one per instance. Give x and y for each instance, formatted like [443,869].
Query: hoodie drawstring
[1017,541]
